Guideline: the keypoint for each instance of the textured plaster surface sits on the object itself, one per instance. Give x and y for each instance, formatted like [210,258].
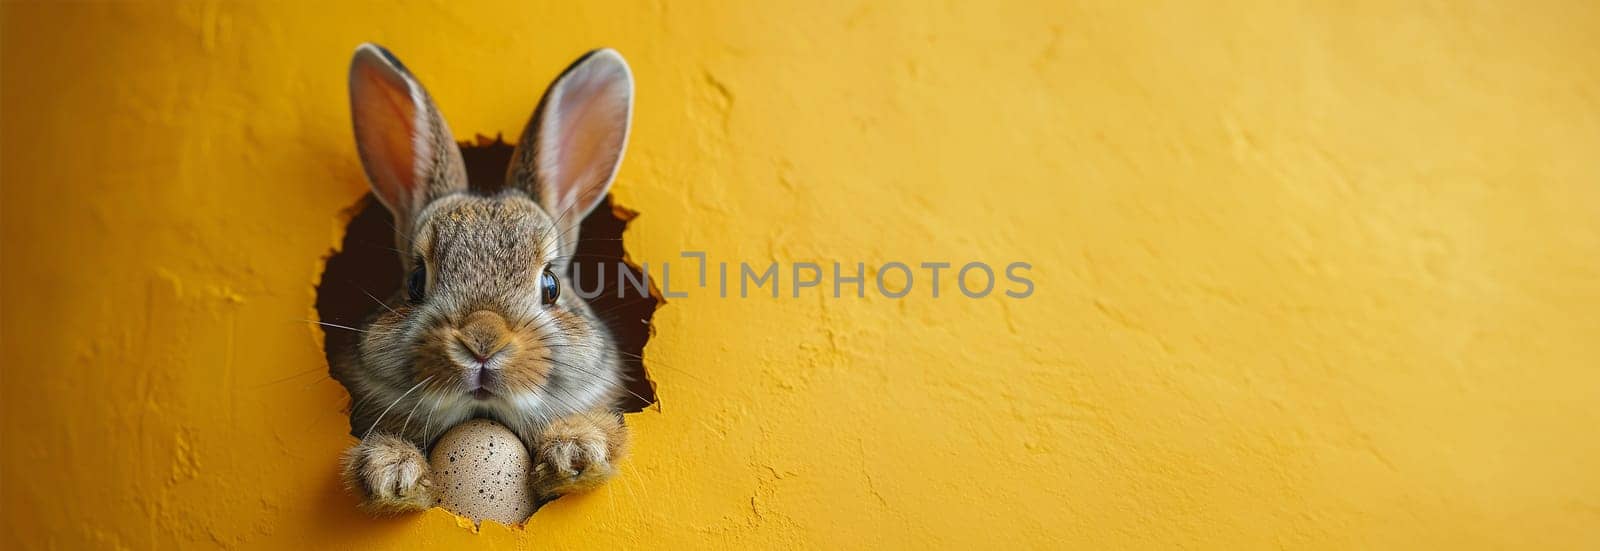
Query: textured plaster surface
[1308,275]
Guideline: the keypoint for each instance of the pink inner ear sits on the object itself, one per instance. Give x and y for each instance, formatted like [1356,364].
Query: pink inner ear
[385,123]
[584,131]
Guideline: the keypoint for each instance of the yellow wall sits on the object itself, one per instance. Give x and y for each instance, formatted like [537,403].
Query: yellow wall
[1323,275]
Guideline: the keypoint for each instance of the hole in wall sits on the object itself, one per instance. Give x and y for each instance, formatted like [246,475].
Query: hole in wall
[367,268]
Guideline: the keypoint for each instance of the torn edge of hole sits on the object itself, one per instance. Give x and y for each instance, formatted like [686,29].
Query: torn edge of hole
[366,269]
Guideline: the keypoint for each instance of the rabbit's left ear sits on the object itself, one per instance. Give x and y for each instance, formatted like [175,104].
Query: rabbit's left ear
[570,150]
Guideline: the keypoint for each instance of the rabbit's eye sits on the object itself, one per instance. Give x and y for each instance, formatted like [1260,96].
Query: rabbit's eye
[551,287]
[417,283]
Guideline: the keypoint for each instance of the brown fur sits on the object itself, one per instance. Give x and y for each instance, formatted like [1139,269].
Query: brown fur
[391,473]
[481,341]
[578,453]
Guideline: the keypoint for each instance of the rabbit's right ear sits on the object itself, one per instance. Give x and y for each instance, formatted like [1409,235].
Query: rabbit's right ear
[408,152]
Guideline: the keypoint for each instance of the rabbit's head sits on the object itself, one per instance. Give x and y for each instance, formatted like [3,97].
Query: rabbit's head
[488,322]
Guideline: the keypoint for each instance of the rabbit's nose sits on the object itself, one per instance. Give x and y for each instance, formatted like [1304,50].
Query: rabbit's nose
[484,333]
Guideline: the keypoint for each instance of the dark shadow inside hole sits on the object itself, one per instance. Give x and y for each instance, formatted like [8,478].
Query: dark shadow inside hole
[367,268]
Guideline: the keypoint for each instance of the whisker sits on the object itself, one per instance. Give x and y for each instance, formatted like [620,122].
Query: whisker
[407,424]
[335,325]
[427,427]
[630,355]
[550,391]
[625,304]
[287,379]
[391,406]
[380,302]
[384,247]
[594,374]
[542,325]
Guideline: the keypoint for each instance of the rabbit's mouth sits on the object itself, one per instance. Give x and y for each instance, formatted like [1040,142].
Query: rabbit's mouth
[479,382]
[486,367]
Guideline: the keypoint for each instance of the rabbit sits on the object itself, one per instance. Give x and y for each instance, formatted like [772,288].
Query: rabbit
[484,324]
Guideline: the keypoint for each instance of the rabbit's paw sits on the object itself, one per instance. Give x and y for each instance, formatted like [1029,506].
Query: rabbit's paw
[390,474]
[577,453]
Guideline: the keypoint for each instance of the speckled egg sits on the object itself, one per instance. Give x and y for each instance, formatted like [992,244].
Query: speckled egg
[480,471]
